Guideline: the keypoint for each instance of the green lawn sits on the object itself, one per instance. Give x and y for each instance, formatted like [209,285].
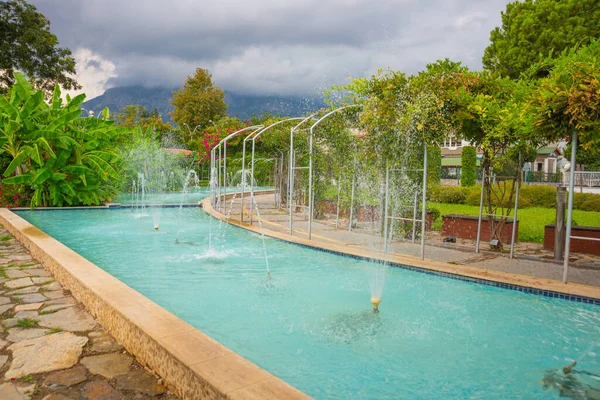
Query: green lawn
[531,220]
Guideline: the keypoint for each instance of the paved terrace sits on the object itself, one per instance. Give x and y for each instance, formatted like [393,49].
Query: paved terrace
[51,348]
[361,242]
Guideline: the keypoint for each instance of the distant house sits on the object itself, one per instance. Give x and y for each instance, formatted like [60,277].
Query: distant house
[546,167]
[452,157]
[546,160]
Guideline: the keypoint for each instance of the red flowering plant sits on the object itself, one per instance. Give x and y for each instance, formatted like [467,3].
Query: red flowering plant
[12,196]
[212,135]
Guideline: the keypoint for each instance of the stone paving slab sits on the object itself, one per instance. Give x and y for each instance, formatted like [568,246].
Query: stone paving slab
[52,348]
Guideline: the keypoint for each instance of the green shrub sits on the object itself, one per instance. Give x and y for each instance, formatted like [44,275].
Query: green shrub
[435,213]
[537,196]
[468,175]
[434,165]
[449,194]
[592,204]
[473,199]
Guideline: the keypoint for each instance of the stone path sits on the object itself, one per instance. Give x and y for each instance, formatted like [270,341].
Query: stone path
[51,348]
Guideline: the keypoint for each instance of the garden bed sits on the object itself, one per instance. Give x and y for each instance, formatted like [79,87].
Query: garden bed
[577,245]
[465,227]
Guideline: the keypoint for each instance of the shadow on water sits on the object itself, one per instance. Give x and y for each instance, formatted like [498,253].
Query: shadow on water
[579,385]
[352,327]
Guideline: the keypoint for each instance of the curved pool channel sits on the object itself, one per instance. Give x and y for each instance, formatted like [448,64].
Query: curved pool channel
[312,324]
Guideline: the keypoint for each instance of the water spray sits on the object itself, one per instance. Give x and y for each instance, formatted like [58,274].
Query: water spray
[568,368]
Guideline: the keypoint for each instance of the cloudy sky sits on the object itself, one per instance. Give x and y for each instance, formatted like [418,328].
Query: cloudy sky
[265,46]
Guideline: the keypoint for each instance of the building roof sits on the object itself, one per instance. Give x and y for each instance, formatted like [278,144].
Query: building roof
[548,150]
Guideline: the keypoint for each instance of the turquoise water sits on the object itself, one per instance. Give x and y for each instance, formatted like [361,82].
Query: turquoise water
[311,325]
[193,197]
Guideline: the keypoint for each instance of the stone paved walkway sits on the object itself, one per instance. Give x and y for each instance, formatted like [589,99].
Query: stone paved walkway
[51,348]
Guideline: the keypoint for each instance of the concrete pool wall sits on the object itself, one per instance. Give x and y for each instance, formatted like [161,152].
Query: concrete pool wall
[192,365]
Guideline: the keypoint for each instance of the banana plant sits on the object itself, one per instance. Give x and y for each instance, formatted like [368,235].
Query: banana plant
[63,158]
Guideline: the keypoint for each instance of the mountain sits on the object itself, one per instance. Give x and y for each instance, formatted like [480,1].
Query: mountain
[242,106]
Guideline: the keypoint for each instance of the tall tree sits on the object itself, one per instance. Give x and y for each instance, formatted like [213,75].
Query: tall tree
[539,28]
[136,115]
[198,102]
[568,100]
[27,45]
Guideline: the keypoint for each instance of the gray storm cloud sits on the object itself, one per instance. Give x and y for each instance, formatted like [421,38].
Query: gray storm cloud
[260,46]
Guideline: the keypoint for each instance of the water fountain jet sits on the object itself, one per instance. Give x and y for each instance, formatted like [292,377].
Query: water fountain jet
[375,301]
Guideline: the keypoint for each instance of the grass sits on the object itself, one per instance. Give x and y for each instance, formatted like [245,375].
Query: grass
[5,238]
[27,323]
[531,220]
[53,330]
[46,312]
[2,273]
[27,379]
[27,265]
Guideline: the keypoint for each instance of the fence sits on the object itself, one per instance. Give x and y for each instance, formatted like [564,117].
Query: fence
[542,177]
[584,178]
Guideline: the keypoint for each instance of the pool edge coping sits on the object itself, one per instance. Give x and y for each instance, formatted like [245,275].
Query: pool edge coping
[524,283]
[191,363]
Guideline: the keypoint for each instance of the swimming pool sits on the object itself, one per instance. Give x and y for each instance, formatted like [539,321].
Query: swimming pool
[311,324]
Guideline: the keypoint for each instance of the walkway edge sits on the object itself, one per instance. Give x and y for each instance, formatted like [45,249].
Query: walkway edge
[546,287]
[192,365]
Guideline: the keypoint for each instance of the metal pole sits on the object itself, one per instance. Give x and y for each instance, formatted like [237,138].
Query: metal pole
[352,203]
[225,173]
[337,208]
[424,207]
[275,180]
[310,181]
[414,222]
[559,227]
[210,182]
[280,181]
[570,206]
[385,215]
[291,183]
[219,177]
[480,211]
[515,220]
[244,182]
[252,180]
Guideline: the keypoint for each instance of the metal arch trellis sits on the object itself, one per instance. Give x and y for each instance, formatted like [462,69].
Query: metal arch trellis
[292,168]
[253,136]
[311,199]
[414,220]
[222,147]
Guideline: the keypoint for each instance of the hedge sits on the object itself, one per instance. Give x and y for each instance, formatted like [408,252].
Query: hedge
[468,176]
[529,196]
